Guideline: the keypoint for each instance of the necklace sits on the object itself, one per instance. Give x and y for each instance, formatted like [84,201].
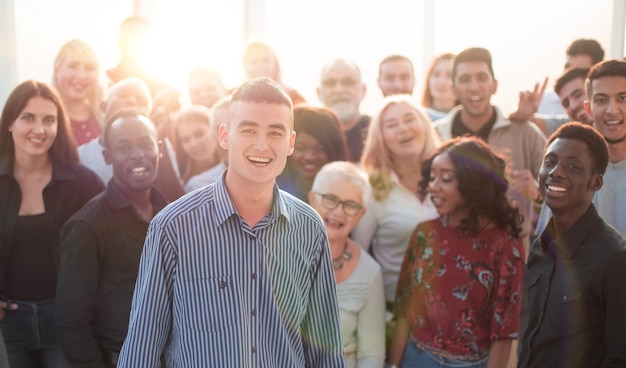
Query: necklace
[345,256]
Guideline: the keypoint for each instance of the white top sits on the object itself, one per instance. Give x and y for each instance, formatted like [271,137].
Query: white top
[362,315]
[205,178]
[90,155]
[386,228]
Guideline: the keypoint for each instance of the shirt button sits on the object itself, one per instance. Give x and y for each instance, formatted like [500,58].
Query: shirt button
[564,297]
[83,126]
[87,134]
[253,350]
[254,276]
[254,313]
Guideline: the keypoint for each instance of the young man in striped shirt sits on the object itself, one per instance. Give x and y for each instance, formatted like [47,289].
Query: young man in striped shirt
[238,273]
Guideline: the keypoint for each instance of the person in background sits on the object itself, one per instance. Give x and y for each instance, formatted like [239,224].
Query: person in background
[573,286]
[342,90]
[198,301]
[438,97]
[400,139]
[458,296]
[396,75]
[474,84]
[547,110]
[205,86]
[135,44]
[338,194]
[41,186]
[101,246]
[78,79]
[196,142]
[260,60]
[129,92]
[320,140]
[219,115]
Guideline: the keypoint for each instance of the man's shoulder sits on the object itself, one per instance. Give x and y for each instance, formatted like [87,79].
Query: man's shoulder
[185,206]
[298,211]
[607,236]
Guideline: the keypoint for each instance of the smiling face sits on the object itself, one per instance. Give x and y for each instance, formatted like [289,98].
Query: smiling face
[76,78]
[197,140]
[308,156]
[132,150]
[607,106]
[338,224]
[566,177]
[402,131]
[474,86]
[258,138]
[443,187]
[573,97]
[35,128]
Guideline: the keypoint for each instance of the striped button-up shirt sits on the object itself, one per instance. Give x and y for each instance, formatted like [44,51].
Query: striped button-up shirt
[213,292]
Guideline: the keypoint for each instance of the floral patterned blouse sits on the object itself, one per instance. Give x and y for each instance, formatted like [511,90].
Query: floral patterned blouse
[460,292]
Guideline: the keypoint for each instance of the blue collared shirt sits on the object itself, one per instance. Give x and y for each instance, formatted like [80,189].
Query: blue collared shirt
[213,292]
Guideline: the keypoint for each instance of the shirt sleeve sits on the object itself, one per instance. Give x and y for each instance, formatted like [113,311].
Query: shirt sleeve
[507,304]
[151,314]
[77,289]
[370,328]
[323,346]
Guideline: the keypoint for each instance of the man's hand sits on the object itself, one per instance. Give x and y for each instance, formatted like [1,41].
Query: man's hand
[6,305]
[529,102]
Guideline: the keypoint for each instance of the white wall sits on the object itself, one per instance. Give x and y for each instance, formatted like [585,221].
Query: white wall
[527,39]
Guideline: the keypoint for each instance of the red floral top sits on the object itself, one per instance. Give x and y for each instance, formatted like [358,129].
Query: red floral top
[461,292]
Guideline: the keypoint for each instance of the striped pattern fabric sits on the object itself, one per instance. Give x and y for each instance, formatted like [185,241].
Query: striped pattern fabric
[213,292]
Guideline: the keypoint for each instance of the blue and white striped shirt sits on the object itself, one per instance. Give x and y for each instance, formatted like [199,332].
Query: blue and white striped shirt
[212,292]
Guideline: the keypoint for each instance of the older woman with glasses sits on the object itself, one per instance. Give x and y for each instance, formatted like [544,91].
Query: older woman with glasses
[338,195]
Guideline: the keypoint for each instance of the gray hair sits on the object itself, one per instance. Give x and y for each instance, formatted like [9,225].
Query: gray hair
[342,171]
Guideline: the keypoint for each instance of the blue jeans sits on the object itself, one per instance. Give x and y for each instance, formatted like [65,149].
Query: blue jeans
[30,336]
[417,358]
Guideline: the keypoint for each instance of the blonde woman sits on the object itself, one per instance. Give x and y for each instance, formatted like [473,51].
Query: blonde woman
[400,138]
[78,79]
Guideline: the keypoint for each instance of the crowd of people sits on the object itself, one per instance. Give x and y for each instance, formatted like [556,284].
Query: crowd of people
[251,227]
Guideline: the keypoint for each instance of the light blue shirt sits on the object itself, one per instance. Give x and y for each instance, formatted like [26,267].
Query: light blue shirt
[213,292]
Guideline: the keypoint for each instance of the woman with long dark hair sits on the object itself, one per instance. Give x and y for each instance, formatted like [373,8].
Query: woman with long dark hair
[41,186]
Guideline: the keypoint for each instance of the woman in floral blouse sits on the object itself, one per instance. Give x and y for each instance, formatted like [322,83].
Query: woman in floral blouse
[458,295]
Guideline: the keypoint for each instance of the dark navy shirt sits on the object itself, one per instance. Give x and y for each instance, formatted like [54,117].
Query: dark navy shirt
[576,299]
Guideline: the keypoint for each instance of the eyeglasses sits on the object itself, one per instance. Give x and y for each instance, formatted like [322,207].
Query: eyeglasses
[350,208]
[346,82]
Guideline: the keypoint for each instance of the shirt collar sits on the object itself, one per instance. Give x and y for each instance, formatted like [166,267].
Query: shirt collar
[117,199]
[568,242]
[225,208]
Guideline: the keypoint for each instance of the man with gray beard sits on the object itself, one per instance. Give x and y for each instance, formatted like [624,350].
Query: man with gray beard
[342,90]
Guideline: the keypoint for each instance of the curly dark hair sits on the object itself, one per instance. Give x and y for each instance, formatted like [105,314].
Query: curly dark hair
[482,183]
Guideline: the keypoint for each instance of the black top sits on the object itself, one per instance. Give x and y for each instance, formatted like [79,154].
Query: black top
[355,138]
[31,273]
[101,247]
[459,128]
[575,295]
[71,186]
